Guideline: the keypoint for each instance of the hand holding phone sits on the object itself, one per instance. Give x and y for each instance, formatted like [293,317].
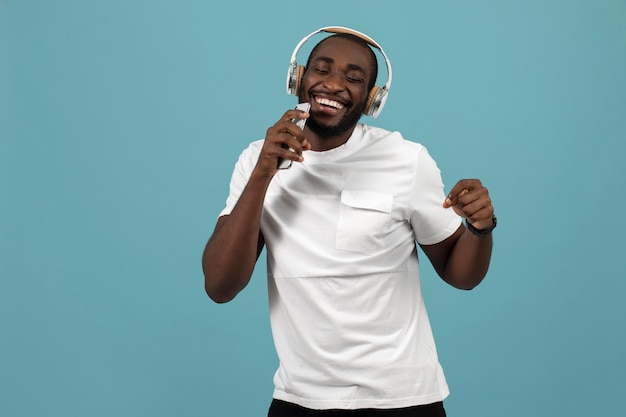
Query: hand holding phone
[286,163]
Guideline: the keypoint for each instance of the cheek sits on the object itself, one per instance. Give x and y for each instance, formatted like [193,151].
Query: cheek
[305,85]
[309,78]
[360,98]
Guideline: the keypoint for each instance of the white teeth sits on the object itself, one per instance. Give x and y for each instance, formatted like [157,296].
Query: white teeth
[329,103]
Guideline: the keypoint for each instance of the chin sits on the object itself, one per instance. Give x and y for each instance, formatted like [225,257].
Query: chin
[328,131]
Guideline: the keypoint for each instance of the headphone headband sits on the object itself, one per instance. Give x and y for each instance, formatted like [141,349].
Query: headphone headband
[379,95]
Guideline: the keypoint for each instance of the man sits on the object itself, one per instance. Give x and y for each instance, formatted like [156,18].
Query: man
[340,227]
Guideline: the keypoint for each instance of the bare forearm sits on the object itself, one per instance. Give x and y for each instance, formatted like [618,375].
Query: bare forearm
[231,253]
[468,261]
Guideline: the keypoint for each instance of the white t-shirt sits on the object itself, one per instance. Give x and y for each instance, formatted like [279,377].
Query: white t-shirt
[347,314]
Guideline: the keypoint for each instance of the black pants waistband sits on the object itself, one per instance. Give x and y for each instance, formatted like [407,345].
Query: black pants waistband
[280,408]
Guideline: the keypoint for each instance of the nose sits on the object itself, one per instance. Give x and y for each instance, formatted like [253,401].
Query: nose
[333,82]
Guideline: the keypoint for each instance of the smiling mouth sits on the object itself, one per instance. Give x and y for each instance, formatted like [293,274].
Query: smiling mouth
[329,103]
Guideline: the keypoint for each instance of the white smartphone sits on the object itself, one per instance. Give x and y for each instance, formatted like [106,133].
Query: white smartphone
[305,107]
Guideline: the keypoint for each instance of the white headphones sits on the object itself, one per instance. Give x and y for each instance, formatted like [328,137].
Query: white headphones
[377,95]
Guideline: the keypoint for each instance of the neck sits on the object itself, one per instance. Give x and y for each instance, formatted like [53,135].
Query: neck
[325,143]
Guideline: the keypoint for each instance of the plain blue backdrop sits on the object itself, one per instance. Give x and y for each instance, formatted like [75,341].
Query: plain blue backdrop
[120,122]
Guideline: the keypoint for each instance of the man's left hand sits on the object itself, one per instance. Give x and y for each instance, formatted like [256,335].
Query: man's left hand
[470,200]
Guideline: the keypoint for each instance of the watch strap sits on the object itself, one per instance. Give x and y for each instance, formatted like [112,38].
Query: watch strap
[481,232]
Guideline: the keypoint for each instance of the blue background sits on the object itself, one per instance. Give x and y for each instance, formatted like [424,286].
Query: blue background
[120,122]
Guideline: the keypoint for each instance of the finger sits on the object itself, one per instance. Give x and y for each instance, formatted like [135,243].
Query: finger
[294,130]
[460,189]
[285,139]
[453,197]
[285,152]
[286,133]
[482,219]
[475,207]
[292,114]
[294,144]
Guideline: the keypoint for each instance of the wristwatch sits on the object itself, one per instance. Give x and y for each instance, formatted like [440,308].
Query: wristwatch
[481,232]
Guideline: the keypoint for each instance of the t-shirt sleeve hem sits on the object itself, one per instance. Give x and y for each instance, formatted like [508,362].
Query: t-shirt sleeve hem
[445,233]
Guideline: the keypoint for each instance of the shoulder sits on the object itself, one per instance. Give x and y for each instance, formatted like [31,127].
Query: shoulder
[254,146]
[251,151]
[248,158]
[394,139]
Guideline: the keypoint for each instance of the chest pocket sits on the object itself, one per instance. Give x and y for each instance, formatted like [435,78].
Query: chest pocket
[363,220]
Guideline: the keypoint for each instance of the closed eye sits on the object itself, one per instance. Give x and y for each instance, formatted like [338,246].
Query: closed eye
[355,79]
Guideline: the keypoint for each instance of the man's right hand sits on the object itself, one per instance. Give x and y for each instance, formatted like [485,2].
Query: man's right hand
[279,138]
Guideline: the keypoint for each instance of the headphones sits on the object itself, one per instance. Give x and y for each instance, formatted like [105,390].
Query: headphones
[377,95]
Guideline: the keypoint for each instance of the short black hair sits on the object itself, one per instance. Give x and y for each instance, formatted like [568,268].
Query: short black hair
[353,38]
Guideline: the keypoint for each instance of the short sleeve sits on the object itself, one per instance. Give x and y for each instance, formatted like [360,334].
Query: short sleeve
[241,174]
[431,222]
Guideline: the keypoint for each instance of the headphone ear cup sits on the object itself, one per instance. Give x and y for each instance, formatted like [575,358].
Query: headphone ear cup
[373,101]
[294,76]
[299,75]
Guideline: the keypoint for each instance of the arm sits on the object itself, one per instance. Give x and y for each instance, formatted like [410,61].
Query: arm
[231,253]
[462,260]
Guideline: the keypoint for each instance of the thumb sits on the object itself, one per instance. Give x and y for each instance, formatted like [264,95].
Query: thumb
[453,198]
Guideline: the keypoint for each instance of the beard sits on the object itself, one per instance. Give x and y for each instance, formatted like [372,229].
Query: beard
[347,122]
